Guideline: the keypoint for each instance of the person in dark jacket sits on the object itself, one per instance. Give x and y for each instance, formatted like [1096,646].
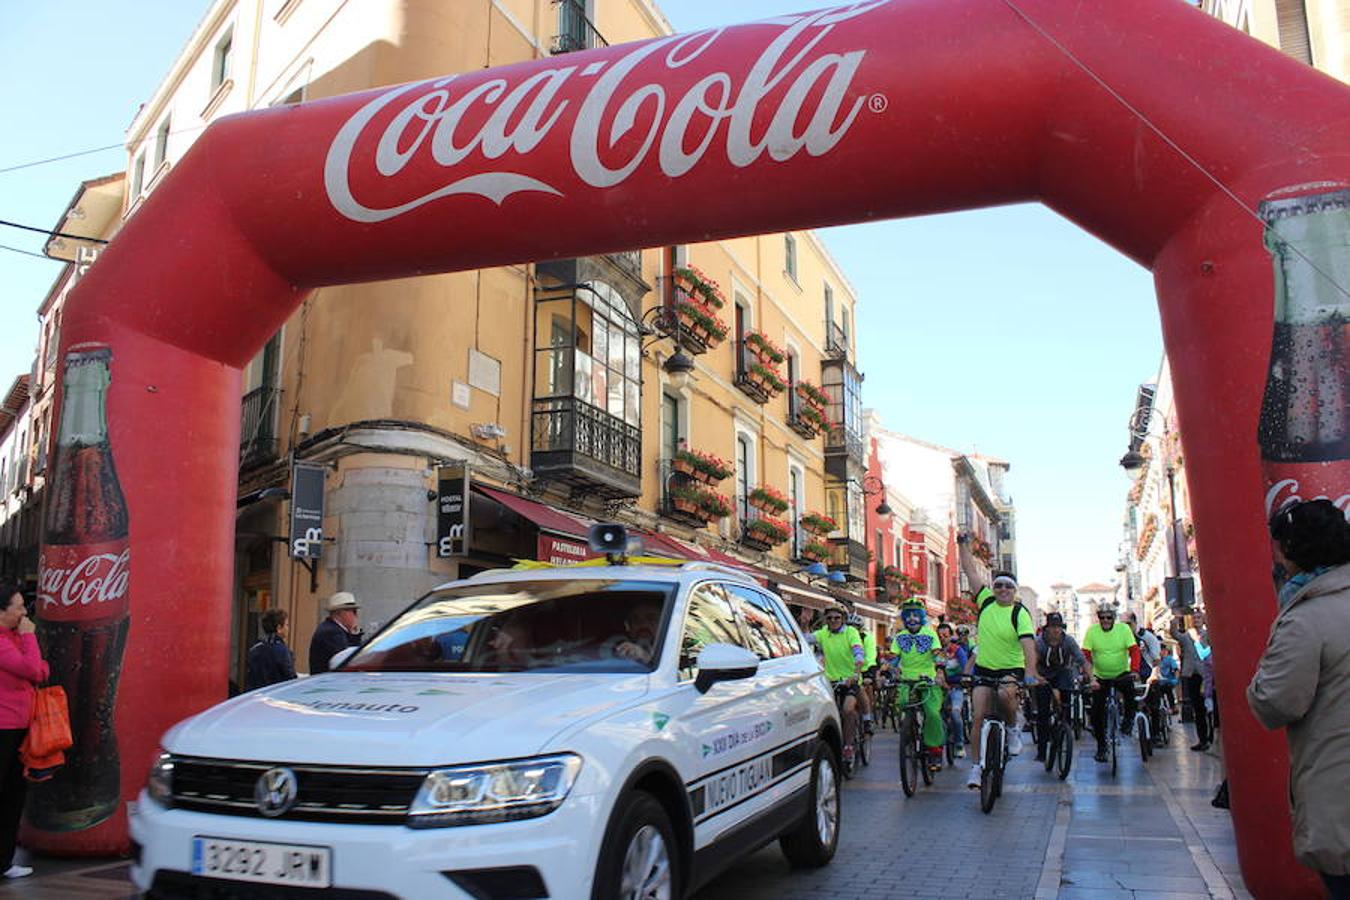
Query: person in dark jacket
[1062,664]
[342,629]
[270,660]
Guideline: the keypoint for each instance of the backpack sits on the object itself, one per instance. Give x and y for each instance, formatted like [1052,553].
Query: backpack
[1017,607]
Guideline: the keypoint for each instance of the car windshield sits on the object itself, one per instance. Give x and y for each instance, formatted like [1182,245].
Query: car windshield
[582,625]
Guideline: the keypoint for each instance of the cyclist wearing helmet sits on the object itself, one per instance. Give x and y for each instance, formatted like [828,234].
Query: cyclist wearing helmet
[1007,649]
[1061,663]
[841,646]
[917,645]
[869,678]
[1113,652]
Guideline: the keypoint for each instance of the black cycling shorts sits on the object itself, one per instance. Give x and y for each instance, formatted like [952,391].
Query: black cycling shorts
[871,674]
[1019,673]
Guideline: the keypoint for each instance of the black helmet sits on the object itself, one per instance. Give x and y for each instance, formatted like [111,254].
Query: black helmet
[1054,619]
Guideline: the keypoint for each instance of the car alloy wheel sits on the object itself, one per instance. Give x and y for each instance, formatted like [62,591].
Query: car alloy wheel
[646,867]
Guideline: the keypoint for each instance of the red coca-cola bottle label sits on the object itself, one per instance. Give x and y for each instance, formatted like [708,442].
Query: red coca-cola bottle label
[1295,482]
[83,582]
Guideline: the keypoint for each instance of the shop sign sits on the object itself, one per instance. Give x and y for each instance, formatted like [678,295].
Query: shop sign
[452,510]
[307,495]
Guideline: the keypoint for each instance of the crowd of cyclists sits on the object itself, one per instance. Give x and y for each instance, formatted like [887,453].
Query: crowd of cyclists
[1006,667]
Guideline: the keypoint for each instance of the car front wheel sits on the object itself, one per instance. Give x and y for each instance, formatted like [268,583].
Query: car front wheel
[812,842]
[640,857]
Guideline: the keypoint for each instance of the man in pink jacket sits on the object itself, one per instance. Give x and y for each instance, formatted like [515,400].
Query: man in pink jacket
[21,671]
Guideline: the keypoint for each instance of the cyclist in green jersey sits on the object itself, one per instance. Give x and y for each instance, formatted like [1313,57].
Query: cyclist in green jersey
[917,646]
[1007,648]
[869,675]
[842,649]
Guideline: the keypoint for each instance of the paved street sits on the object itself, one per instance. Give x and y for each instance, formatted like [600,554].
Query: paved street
[1149,834]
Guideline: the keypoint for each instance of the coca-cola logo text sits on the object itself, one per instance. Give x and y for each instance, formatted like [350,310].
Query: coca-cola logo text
[1287,491]
[97,579]
[682,130]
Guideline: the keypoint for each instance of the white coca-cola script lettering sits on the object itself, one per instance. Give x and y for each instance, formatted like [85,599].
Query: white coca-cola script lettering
[1286,491]
[99,578]
[522,116]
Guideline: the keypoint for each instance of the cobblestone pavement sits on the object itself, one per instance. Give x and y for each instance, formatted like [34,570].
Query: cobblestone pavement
[1147,834]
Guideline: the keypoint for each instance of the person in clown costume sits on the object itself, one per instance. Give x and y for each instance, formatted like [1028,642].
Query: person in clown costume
[917,646]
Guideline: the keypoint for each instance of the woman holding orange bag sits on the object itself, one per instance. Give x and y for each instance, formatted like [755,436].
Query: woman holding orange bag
[21,671]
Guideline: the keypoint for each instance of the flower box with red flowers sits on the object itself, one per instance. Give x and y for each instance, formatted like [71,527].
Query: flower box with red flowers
[768,499]
[768,530]
[818,523]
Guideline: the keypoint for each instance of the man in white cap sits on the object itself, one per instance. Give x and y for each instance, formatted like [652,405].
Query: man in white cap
[342,629]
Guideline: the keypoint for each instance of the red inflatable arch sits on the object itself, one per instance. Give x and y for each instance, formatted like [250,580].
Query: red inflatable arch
[1148,123]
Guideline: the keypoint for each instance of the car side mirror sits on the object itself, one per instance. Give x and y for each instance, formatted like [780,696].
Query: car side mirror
[341,657]
[724,662]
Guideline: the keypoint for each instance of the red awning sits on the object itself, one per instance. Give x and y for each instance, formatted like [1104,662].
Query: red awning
[541,514]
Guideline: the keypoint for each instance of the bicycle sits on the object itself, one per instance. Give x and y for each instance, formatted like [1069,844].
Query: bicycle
[1143,730]
[1060,751]
[967,722]
[993,743]
[1078,712]
[886,712]
[913,753]
[949,718]
[1165,719]
[860,744]
[1112,724]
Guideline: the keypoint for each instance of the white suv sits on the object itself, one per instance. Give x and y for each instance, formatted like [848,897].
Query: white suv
[608,731]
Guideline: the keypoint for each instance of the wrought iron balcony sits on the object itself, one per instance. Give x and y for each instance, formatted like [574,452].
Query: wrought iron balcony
[580,445]
[807,428]
[684,319]
[836,341]
[257,426]
[575,30]
[751,383]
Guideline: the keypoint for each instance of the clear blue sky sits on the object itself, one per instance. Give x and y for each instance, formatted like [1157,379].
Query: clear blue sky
[1005,330]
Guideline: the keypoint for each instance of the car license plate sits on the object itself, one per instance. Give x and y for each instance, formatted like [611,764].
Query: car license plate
[293,864]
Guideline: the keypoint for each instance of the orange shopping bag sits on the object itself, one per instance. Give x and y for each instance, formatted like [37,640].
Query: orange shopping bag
[49,731]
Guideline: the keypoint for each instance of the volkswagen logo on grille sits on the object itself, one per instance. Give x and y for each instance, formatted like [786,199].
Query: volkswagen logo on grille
[275,792]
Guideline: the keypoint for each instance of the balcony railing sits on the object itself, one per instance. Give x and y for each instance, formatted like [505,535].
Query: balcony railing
[807,428]
[750,383]
[257,426]
[841,440]
[585,447]
[575,31]
[836,341]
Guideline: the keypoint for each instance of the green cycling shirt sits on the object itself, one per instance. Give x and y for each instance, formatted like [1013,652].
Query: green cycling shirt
[916,652]
[1000,643]
[869,649]
[837,648]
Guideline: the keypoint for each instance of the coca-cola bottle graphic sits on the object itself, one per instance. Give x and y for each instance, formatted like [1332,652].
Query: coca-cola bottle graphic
[82,610]
[1305,426]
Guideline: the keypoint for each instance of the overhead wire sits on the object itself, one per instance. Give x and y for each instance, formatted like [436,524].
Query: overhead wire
[1165,138]
[49,232]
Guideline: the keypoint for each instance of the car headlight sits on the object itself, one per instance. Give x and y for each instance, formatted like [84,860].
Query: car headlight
[500,792]
[160,783]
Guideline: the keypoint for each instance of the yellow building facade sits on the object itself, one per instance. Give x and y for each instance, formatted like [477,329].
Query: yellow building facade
[1312,31]
[570,390]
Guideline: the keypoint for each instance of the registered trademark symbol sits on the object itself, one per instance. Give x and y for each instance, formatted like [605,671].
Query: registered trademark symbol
[877,103]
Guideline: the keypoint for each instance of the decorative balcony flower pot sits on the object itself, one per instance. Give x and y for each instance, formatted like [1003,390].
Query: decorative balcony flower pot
[768,500]
[816,523]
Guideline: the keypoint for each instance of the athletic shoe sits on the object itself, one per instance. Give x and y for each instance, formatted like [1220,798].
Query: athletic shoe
[1014,742]
[960,752]
[18,871]
[1200,747]
[973,779]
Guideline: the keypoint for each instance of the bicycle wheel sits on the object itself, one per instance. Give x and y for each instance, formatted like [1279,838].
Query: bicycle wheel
[1112,733]
[1078,718]
[1065,750]
[1052,748]
[909,759]
[1145,744]
[924,769]
[864,747]
[990,774]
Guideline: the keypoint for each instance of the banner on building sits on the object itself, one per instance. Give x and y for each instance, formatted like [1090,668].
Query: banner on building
[452,510]
[307,482]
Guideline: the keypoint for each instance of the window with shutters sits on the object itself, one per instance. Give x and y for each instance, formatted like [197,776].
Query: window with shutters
[1292,16]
